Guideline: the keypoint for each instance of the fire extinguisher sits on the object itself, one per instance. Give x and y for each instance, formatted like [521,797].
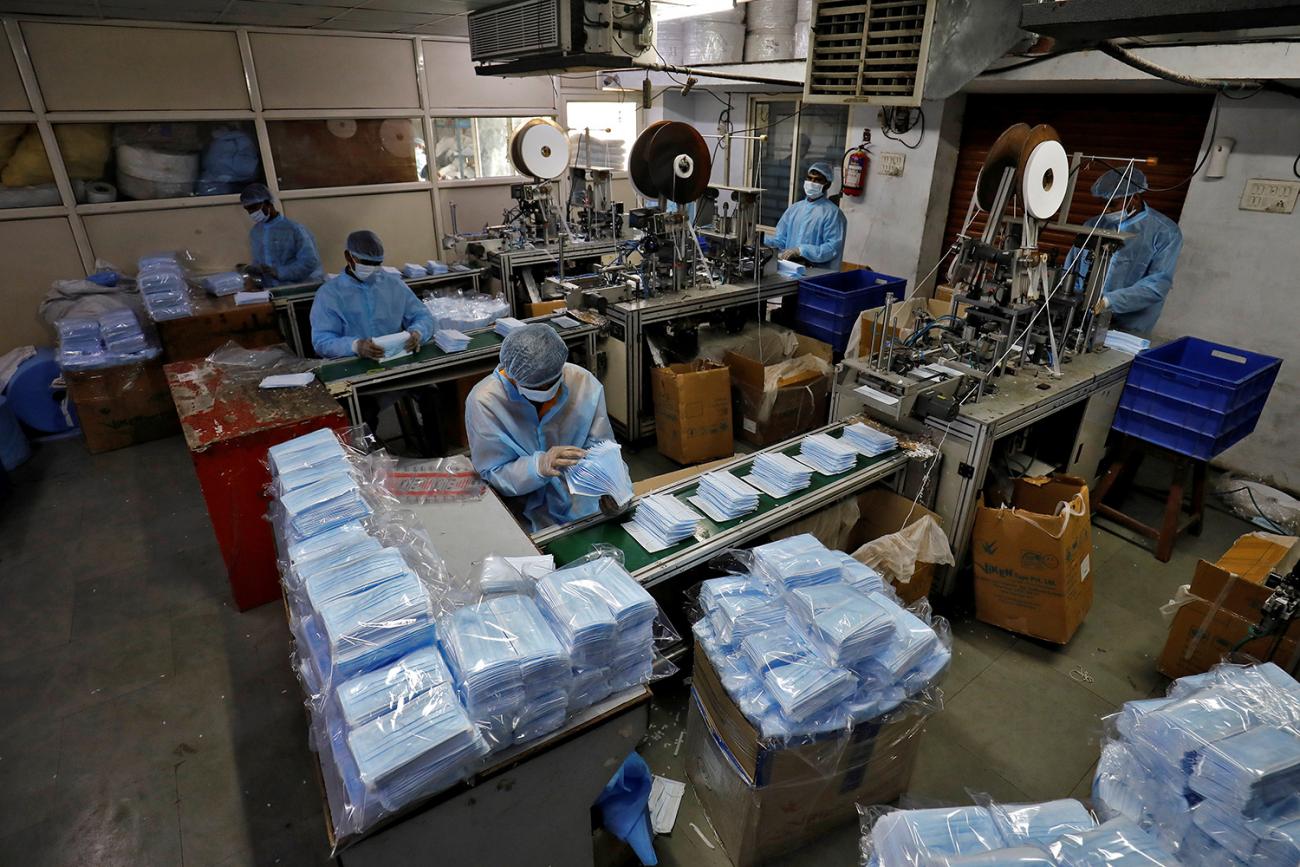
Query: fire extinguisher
[856,164]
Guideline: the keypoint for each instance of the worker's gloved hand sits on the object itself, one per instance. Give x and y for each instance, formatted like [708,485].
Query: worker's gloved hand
[413,341]
[610,507]
[555,459]
[367,348]
[789,254]
[1101,305]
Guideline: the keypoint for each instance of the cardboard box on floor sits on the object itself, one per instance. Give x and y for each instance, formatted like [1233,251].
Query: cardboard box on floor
[693,411]
[1222,604]
[763,800]
[654,483]
[1032,562]
[122,406]
[882,512]
[902,320]
[781,385]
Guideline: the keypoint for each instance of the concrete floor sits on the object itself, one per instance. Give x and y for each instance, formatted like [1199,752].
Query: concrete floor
[145,721]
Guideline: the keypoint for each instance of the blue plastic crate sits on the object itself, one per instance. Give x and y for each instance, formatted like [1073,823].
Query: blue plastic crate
[1195,397]
[831,303]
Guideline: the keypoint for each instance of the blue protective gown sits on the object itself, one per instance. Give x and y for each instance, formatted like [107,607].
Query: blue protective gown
[1142,271]
[506,440]
[816,228]
[288,248]
[346,309]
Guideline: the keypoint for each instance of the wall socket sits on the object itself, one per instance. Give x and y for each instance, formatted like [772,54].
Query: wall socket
[1269,196]
[891,165]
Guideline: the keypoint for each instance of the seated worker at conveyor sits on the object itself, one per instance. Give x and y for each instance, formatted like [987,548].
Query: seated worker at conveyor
[282,251]
[811,231]
[530,419]
[365,302]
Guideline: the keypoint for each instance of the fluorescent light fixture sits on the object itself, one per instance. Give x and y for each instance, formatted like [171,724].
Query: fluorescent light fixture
[667,10]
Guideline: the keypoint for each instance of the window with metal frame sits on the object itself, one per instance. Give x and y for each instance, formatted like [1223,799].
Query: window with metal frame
[798,135]
[470,148]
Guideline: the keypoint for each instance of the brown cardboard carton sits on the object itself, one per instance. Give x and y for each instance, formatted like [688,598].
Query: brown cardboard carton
[654,483]
[763,800]
[883,512]
[122,406]
[1225,602]
[215,322]
[781,387]
[902,320]
[541,308]
[693,411]
[1032,565]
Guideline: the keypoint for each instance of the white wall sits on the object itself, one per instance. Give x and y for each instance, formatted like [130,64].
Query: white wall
[701,111]
[1236,281]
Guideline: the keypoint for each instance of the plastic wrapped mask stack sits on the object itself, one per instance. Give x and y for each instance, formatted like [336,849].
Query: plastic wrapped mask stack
[1213,771]
[122,335]
[601,472]
[816,643]
[869,441]
[412,271]
[779,475]
[225,283]
[828,455]
[466,312]
[323,505]
[79,343]
[113,339]
[605,620]
[162,285]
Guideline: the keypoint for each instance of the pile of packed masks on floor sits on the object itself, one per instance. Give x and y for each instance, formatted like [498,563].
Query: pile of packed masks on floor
[417,678]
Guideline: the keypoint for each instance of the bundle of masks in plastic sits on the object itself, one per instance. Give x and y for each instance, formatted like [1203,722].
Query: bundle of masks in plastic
[810,641]
[224,283]
[113,338]
[466,312]
[163,287]
[1213,769]
[412,271]
[601,472]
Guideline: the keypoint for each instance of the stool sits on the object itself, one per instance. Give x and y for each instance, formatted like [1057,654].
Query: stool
[1130,454]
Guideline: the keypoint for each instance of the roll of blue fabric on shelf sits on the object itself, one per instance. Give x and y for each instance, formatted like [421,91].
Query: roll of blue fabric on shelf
[14,450]
[33,399]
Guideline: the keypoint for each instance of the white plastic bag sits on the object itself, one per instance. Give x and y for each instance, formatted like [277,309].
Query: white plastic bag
[896,555]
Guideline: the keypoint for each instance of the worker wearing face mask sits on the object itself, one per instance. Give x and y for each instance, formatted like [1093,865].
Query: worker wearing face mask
[282,251]
[365,302]
[811,231]
[533,417]
[1142,271]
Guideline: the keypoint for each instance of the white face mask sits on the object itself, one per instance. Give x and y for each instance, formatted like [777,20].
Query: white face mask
[540,395]
[813,190]
[363,272]
[258,216]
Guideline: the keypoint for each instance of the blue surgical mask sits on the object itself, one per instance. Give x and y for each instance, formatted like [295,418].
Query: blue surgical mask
[363,272]
[813,190]
[540,395]
[258,216]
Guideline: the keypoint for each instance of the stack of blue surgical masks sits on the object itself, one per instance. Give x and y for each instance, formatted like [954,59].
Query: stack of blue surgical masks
[323,505]
[724,497]
[1011,835]
[122,335]
[868,440]
[451,340]
[664,519]
[335,466]
[225,283]
[779,475]
[859,576]
[113,339]
[162,285]
[434,267]
[412,271]
[601,472]
[375,625]
[799,561]
[79,343]
[466,312]
[847,626]
[1118,842]
[1213,771]
[828,455]
[391,688]
[506,324]
[304,451]
[1130,343]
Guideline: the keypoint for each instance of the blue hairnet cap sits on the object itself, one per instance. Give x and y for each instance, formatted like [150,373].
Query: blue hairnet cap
[365,245]
[254,194]
[823,169]
[1114,185]
[534,356]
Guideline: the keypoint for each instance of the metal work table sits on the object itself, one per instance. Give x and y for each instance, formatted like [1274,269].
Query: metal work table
[291,300]
[625,344]
[572,541]
[350,379]
[463,533]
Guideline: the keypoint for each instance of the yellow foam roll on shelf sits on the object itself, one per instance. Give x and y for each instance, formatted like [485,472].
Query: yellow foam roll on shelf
[85,148]
[10,133]
[27,167]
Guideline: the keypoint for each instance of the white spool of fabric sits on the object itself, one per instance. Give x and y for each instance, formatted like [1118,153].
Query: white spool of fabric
[769,45]
[167,167]
[98,192]
[709,41]
[772,15]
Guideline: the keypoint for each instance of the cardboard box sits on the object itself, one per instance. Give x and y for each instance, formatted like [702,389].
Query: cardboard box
[902,320]
[882,512]
[654,483]
[1224,602]
[1033,564]
[764,800]
[541,308]
[693,411]
[781,386]
[123,406]
[215,322]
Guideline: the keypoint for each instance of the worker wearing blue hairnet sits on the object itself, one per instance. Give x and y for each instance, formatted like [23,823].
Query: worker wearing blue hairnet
[1142,271]
[533,417]
[365,302]
[282,251]
[811,231]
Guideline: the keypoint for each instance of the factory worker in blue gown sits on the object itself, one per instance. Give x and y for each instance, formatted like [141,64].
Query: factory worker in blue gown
[282,251]
[364,302]
[1142,271]
[811,231]
[530,419]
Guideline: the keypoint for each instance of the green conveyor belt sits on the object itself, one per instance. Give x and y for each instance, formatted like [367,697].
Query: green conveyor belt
[575,545]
